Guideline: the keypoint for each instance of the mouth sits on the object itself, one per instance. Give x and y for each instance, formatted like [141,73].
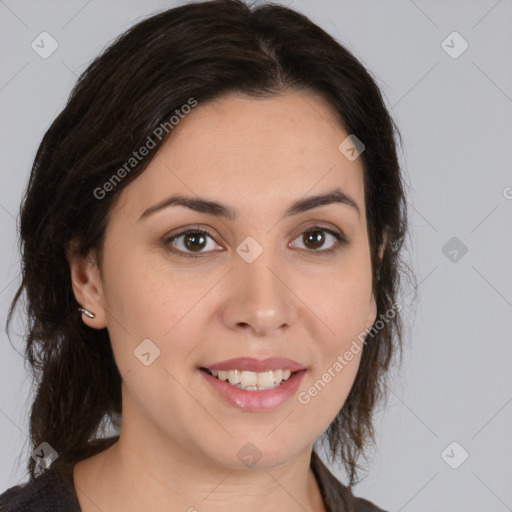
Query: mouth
[252,381]
[253,391]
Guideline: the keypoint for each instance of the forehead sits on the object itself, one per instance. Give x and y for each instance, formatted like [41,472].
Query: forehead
[251,152]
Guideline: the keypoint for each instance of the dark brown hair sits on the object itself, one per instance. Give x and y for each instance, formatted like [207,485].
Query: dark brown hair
[201,51]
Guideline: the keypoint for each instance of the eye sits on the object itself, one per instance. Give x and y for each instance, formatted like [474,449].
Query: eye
[315,238]
[193,242]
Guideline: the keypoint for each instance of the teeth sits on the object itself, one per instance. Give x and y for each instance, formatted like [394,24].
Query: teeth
[253,380]
[265,379]
[233,376]
[248,379]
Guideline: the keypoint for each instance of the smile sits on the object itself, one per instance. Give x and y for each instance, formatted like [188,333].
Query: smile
[252,380]
[254,398]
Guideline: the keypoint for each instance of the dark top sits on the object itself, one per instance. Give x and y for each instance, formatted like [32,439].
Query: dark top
[51,493]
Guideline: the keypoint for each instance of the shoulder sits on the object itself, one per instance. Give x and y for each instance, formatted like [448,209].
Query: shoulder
[362,505]
[48,492]
[335,494]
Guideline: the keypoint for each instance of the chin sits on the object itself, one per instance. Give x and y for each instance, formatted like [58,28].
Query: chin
[248,452]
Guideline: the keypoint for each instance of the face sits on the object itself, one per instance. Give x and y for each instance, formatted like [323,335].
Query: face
[263,282]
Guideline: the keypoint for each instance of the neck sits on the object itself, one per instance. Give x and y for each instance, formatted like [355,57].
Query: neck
[150,472]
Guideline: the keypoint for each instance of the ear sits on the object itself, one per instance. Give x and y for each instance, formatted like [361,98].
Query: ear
[372,312]
[87,287]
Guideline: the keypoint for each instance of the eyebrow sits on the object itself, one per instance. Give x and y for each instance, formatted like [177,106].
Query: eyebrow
[202,205]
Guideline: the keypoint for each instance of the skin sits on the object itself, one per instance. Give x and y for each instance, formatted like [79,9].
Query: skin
[179,440]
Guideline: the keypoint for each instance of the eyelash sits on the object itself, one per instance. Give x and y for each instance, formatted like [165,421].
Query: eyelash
[341,242]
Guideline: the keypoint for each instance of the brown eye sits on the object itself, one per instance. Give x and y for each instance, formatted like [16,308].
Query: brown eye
[189,242]
[314,239]
[194,241]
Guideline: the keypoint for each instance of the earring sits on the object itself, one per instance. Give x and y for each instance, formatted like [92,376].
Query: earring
[87,312]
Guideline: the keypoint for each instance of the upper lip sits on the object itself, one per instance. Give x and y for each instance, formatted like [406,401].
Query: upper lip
[257,365]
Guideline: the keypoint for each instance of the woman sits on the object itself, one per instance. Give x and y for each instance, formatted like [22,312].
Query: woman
[211,238]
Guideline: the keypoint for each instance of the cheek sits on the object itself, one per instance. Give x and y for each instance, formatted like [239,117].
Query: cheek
[148,297]
[325,392]
[343,303]
[342,306]
[141,305]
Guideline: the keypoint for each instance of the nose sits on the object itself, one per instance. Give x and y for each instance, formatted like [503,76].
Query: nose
[260,297]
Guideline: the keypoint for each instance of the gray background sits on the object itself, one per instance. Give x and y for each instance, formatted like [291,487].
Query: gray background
[454,114]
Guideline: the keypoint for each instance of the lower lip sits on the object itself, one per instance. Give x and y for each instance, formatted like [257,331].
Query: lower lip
[262,400]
